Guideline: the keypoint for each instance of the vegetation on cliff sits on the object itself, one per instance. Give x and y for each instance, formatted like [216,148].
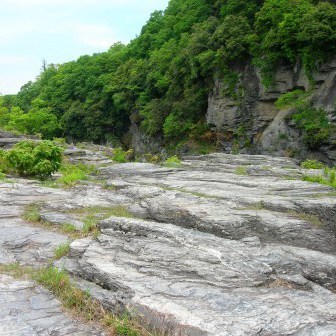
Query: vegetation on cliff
[162,78]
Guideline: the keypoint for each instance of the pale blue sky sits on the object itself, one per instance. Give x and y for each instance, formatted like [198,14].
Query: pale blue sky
[61,31]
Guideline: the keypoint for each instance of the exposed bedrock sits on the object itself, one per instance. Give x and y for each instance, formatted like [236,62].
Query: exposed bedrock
[225,245]
[251,117]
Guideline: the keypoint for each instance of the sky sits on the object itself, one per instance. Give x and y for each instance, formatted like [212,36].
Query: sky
[59,31]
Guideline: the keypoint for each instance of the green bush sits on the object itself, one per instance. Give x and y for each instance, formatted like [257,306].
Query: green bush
[294,98]
[71,174]
[121,156]
[312,164]
[328,177]
[314,124]
[29,158]
[173,162]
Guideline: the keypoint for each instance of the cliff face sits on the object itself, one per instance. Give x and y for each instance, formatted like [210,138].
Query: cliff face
[250,122]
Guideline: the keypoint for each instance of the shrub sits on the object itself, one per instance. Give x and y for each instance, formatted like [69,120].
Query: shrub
[327,178]
[312,164]
[294,98]
[173,162]
[29,158]
[121,156]
[71,174]
[314,124]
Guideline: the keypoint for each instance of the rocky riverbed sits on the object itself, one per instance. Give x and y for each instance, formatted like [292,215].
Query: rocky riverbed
[222,245]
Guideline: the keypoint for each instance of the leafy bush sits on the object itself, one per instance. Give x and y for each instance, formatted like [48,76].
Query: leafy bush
[294,98]
[173,162]
[121,156]
[29,158]
[312,164]
[314,124]
[71,174]
[328,178]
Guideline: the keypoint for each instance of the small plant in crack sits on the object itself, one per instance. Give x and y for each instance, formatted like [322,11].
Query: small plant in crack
[62,251]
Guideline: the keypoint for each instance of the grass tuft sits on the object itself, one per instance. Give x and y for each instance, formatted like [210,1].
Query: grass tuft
[93,215]
[241,171]
[71,174]
[312,164]
[31,213]
[312,219]
[328,177]
[173,162]
[62,251]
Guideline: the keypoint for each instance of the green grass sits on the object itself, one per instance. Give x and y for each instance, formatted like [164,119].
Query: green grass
[72,174]
[31,213]
[312,164]
[312,219]
[257,206]
[241,171]
[328,177]
[78,302]
[173,162]
[121,156]
[92,215]
[62,251]
[68,228]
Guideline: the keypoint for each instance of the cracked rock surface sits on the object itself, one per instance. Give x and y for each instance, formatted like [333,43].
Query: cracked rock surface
[223,245]
[29,310]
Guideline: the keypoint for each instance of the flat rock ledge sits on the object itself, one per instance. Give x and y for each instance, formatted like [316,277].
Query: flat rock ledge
[29,310]
[223,245]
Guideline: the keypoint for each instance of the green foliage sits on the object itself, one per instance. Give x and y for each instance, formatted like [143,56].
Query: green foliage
[73,173]
[242,171]
[39,120]
[163,77]
[62,251]
[296,98]
[29,158]
[312,164]
[314,124]
[121,156]
[328,177]
[291,30]
[173,162]
[31,213]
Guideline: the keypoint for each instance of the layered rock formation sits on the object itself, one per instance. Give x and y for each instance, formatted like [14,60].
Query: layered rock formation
[223,245]
[264,126]
[214,251]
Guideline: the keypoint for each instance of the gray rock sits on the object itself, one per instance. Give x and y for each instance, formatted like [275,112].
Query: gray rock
[57,218]
[29,310]
[184,282]
[218,252]
[250,116]
[227,245]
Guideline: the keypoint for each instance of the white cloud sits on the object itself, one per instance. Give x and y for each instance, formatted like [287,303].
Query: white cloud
[62,30]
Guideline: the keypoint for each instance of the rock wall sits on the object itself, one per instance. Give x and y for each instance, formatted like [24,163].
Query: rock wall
[253,116]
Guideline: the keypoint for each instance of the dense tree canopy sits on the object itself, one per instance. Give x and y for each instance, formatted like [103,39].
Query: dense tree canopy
[163,77]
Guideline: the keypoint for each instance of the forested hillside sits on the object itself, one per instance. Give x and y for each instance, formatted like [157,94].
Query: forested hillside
[162,79]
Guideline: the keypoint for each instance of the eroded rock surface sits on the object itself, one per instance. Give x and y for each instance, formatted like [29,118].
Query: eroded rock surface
[25,308]
[223,245]
[29,310]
